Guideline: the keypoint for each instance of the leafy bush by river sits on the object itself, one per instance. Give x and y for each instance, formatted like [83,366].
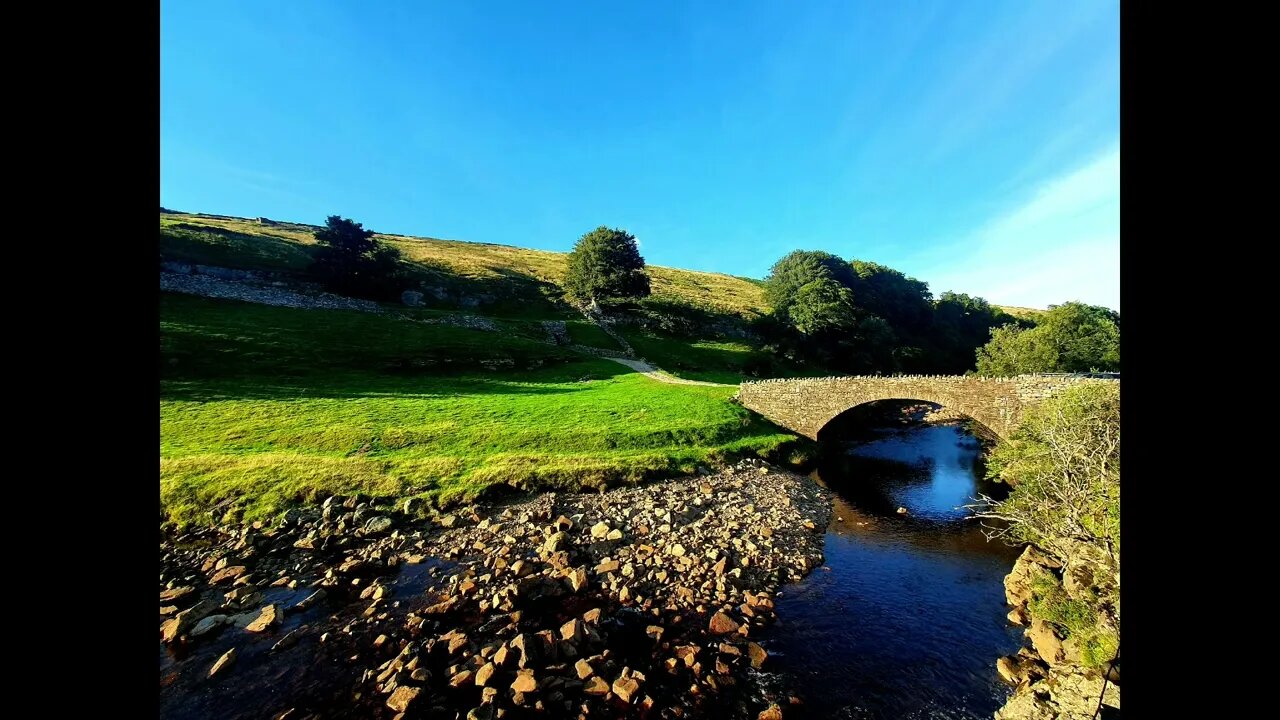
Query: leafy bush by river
[1063,464]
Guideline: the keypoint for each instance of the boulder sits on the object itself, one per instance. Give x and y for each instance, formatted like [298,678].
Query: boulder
[1046,642]
[411,298]
[377,524]
[525,682]
[722,624]
[223,662]
[403,697]
[267,617]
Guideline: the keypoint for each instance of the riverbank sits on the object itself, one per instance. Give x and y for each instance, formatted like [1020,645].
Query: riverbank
[634,602]
[1057,677]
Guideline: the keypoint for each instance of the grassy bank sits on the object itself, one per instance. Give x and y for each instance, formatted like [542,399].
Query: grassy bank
[263,406]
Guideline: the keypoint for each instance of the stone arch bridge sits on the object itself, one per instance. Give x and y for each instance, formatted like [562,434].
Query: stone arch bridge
[806,405]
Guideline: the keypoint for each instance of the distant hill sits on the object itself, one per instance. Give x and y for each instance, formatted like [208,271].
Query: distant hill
[1022,313]
[485,271]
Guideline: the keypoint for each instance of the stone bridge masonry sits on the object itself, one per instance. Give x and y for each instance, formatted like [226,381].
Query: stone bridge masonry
[806,405]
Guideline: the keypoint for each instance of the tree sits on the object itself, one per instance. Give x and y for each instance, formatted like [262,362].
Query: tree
[605,264]
[822,306]
[1072,337]
[1063,463]
[962,324]
[799,268]
[903,301]
[350,261]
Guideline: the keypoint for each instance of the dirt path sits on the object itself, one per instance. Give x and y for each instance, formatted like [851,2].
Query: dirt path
[650,371]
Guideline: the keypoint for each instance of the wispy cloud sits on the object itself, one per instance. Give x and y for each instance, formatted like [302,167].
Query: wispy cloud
[1061,244]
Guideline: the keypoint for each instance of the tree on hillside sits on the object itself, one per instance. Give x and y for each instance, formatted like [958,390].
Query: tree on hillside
[350,261]
[799,268]
[822,306]
[605,265]
[1072,337]
[903,301]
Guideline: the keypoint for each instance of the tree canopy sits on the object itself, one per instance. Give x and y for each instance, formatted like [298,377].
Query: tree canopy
[1072,337]
[852,316]
[350,261]
[605,264]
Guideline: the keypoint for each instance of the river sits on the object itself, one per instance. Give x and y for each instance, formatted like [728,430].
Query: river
[907,617]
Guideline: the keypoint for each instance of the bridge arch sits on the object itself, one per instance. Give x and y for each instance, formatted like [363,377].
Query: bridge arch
[858,415]
[806,405]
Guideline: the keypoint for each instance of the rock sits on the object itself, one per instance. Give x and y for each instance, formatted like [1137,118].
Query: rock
[688,654]
[267,617]
[722,624]
[1031,564]
[614,535]
[484,673]
[310,600]
[584,669]
[578,579]
[377,524]
[228,573]
[524,682]
[290,639]
[757,654]
[223,663]
[677,550]
[599,530]
[411,298]
[403,697]
[596,686]
[556,542]
[1010,669]
[773,712]
[175,594]
[1046,642]
[1018,616]
[902,511]
[209,625]
[461,679]
[530,648]
[626,687]
[180,624]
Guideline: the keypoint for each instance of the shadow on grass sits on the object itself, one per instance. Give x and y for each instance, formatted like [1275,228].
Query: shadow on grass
[508,293]
[571,378]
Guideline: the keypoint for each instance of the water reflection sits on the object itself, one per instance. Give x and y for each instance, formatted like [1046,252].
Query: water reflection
[909,618]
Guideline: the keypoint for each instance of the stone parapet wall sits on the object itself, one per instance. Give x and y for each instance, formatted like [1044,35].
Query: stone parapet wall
[806,405]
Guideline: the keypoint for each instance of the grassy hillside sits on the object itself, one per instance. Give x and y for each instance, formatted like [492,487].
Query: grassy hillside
[261,406]
[1022,313]
[478,269]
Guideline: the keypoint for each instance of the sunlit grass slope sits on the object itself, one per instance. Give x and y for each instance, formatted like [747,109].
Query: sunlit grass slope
[262,406]
[285,247]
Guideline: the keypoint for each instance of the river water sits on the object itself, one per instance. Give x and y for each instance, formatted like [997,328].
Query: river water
[907,618]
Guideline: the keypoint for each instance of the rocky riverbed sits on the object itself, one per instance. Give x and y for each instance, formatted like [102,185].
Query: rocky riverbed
[633,602]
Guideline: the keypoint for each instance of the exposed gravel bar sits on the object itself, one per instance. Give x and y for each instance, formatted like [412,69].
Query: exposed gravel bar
[634,602]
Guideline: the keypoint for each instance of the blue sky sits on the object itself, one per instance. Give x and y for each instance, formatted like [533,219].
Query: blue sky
[973,145]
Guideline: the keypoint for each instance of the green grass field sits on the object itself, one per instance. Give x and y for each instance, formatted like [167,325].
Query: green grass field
[264,406]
